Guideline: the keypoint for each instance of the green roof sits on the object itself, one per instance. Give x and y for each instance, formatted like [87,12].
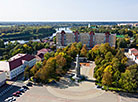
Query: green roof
[120,36]
[93,27]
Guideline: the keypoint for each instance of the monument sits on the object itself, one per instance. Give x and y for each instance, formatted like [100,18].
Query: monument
[77,75]
[77,66]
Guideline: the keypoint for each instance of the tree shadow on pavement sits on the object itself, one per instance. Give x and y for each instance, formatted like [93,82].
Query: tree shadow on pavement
[90,80]
[64,83]
[67,82]
[38,84]
[129,95]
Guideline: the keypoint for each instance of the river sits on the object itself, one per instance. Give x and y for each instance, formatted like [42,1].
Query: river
[36,40]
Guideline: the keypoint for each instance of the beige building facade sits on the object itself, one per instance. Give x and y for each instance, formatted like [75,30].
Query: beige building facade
[90,39]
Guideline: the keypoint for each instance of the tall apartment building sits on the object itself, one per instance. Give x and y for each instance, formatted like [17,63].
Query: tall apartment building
[90,39]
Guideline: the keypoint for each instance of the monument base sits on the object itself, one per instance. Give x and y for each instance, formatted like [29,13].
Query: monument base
[77,78]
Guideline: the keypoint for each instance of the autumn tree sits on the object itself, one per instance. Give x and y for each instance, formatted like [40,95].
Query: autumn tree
[83,51]
[60,64]
[107,76]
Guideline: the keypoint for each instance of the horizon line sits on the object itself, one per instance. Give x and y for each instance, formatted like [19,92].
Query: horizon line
[69,21]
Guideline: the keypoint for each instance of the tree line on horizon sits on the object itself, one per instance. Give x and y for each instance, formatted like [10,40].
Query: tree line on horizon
[113,29]
[25,32]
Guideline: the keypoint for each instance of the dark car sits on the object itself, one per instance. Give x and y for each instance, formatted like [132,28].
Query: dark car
[25,87]
[29,84]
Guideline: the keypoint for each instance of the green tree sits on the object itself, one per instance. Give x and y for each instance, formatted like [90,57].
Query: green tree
[54,39]
[27,72]
[109,56]
[79,46]
[127,80]
[47,56]
[35,68]
[122,43]
[104,48]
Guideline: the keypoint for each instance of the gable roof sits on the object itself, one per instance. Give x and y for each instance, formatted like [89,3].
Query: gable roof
[44,50]
[39,56]
[19,61]
[133,49]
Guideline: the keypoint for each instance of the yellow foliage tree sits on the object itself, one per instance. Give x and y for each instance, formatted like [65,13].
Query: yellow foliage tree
[83,51]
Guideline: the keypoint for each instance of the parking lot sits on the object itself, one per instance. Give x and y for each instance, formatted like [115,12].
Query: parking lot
[13,91]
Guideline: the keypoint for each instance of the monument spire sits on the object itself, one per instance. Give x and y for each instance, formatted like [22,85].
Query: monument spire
[77,66]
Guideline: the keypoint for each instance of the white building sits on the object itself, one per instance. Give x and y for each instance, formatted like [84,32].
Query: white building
[2,78]
[136,60]
[134,56]
[16,65]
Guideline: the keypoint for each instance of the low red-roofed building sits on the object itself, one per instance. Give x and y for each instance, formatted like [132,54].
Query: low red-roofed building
[134,56]
[16,65]
[41,53]
[133,50]
[39,57]
[44,50]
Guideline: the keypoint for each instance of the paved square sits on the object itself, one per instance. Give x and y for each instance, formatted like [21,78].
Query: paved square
[85,91]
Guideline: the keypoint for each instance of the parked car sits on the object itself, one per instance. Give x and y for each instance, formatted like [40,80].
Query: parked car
[9,99]
[25,87]
[21,89]
[29,84]
[14,99]
[18,92]
[15,94]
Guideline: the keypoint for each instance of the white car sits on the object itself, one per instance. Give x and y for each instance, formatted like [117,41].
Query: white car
[9,99]
[14,99]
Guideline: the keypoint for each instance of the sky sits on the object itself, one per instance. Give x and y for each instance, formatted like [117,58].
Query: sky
[68,10]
